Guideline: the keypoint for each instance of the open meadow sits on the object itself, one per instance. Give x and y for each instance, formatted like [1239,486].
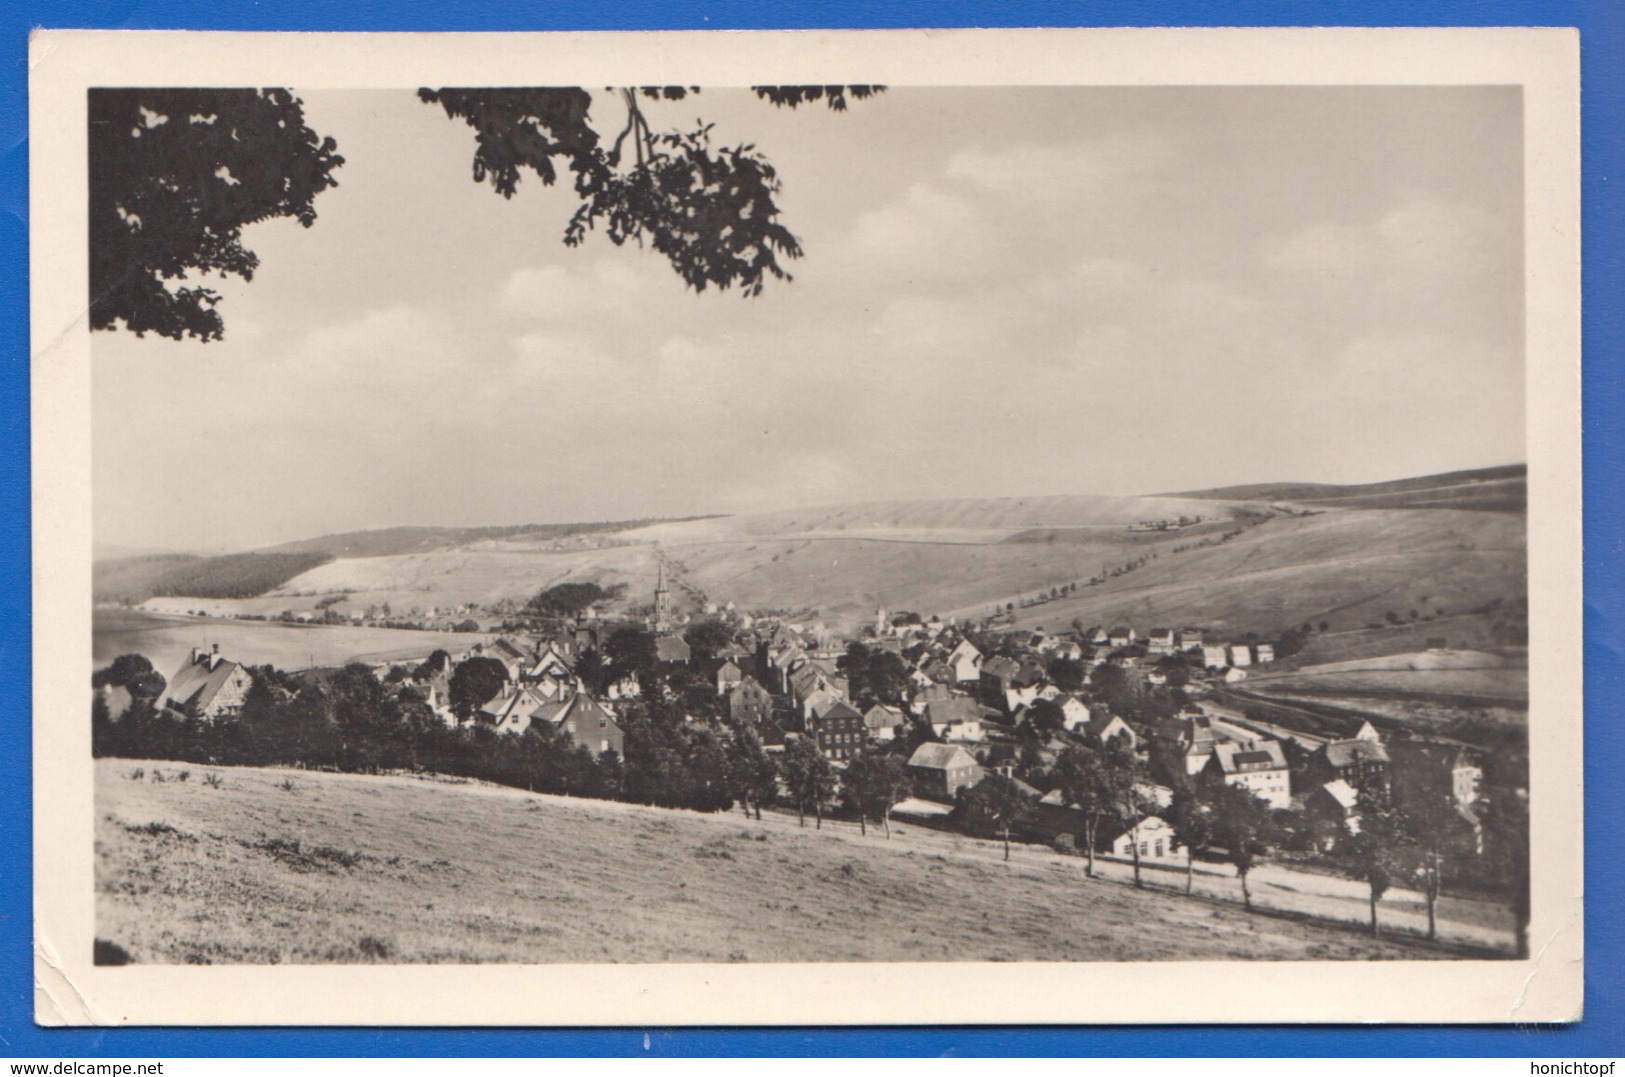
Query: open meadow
[279,866]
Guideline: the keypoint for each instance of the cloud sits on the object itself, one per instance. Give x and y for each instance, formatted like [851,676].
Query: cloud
[1426,230]
[1416,232]
[583,286]
[928,232]
[1055,172]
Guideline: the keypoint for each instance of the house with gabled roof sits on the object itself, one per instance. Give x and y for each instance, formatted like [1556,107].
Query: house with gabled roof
[550,661]
[749,703]
[883,722]
[1361,762]
[839,731]
[811,687]
[1152,833]
[511,709]
[966,662]
[956,718]
[1161,641]
[585,721]
[1330,808]
[1104,727]
[728,676]
[672,650]
[1181,746]
[923,696]
[208,685]
[1074,711]
[1258,766]
[940,771]
[1069,649]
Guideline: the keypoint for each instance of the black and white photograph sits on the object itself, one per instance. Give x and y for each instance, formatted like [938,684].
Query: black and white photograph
[751,522]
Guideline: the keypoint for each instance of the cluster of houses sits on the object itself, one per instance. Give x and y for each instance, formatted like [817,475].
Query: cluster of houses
[785,680]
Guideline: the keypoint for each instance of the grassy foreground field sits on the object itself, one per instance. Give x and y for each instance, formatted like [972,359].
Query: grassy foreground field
[349,868]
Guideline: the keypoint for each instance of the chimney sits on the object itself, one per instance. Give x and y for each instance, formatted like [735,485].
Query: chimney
[197,655]
[214,656]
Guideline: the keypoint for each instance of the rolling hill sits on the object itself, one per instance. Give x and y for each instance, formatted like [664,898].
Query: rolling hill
[1494,489]
[1253,563]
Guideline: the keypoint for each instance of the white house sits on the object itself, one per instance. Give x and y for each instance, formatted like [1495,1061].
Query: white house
[1074,711]
[1154,836]
[1259,767]
[966,661]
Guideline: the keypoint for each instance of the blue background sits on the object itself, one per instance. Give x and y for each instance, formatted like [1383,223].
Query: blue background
[1602,27]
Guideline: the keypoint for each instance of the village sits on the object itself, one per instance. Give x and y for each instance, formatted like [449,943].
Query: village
[1111,742]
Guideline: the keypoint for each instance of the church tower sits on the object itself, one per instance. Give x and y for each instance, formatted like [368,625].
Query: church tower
[662,599]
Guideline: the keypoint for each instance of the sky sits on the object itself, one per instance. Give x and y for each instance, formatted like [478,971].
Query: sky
[1005,292]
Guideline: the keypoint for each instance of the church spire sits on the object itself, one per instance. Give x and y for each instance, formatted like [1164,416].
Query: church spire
[662,596]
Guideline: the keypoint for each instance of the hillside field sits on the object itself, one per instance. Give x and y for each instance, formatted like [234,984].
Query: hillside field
[349,868]
[1347,566]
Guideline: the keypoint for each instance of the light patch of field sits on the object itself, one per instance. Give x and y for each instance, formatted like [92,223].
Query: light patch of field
[484,573]
[167,640]
[998,515]
[346,868]
[1418,660]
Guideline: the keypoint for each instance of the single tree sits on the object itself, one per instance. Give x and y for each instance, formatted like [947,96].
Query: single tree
[752,776]
[1243,826]
[432,666]
[1375,849]
[1438,834]
[809,778]
[707,638]
[1068,674]
[997,803]
[631,652]
[1044,719]
[1192,823]
[1080,774]
[175,177]
[474,683]
[1125,782]
[132,672]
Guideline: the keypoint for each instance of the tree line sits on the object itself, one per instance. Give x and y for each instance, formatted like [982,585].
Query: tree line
[349,720]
